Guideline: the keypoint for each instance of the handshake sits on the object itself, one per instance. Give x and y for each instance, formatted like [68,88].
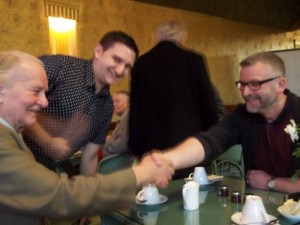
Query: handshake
[154,168]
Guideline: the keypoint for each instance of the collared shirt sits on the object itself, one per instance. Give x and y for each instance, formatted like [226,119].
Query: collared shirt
[74,105]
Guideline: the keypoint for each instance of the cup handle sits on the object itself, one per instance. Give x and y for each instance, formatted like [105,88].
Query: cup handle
[139,196]
[191,175]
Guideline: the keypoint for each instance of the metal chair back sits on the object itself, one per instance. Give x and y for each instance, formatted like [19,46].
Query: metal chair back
[115,162]
[230,163]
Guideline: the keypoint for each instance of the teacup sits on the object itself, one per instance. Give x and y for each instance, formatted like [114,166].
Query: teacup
[190,194]
[199,175]
[254,211]
[149,218]
[148,195]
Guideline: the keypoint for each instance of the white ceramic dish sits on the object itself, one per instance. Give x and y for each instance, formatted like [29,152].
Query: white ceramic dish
[294,218]
[211,179]
[162,199]
[237,217]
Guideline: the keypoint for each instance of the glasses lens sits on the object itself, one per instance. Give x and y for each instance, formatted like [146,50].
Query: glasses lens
[254,85]
[241,85]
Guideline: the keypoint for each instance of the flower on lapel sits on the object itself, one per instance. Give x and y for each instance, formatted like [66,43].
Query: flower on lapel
[292,130]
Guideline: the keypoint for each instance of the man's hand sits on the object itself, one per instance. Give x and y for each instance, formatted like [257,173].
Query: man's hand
[157,157]
[258,179]
[59,149]
[154,168]
[58,136]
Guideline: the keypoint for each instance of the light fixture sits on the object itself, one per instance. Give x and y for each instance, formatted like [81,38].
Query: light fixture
[68,9]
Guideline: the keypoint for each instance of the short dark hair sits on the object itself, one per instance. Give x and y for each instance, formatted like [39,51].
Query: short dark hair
[269,58]
[110,38]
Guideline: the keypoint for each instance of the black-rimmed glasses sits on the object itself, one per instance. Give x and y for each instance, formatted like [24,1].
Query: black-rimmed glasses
[254,85]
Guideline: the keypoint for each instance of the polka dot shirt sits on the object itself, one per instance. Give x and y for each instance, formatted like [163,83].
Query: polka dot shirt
[75,112]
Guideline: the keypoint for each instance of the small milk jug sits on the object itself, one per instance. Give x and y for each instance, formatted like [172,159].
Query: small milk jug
[190,194]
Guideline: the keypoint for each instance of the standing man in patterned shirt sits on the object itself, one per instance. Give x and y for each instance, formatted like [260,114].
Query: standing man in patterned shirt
[80,105]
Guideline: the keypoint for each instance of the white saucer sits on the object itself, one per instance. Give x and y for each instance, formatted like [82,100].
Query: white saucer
[214,177]
[211,179]
[162,199]
[295,218]
[209,183]
[236,218]
[187,179]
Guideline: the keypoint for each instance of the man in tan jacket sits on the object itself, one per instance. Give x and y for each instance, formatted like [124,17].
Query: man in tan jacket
[29,191]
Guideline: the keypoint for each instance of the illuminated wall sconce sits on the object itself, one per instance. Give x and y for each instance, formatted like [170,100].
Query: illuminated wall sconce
[62,16]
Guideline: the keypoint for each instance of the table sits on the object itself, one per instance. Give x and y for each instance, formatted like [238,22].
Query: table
[214,210]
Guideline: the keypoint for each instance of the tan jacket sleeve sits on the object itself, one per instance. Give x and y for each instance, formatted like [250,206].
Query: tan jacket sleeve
[29,187]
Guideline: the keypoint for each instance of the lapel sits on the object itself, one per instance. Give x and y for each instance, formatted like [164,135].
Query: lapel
[17,137]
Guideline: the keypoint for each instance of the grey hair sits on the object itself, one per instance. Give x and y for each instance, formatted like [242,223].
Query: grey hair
[268,58]
[172,30]
[11,59]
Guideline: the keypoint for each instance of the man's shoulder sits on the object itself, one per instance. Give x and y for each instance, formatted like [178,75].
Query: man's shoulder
[62,59]
[170,49]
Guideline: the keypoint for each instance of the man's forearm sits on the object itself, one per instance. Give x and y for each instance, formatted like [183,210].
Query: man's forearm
[284,184]
[89,159]
[38,134]
[187,153]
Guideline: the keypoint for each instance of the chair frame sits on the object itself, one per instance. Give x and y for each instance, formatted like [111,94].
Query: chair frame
[115,162]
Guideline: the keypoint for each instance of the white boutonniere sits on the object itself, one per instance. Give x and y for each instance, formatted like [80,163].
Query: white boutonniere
[293,130]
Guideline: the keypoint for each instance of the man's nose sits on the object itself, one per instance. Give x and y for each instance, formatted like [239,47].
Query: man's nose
[120,70]
[43,101]
[246,91]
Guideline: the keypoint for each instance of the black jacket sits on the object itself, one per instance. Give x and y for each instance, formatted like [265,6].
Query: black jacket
[171,98]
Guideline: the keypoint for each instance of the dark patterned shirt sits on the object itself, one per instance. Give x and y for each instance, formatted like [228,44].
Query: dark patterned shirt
[75,112]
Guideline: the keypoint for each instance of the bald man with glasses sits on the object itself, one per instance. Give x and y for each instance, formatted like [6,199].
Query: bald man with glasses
[258,125]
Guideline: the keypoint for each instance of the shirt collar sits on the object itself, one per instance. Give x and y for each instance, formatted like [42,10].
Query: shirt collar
[6,124]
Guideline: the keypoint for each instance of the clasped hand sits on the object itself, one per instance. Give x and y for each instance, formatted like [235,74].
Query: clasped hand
[159,169]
